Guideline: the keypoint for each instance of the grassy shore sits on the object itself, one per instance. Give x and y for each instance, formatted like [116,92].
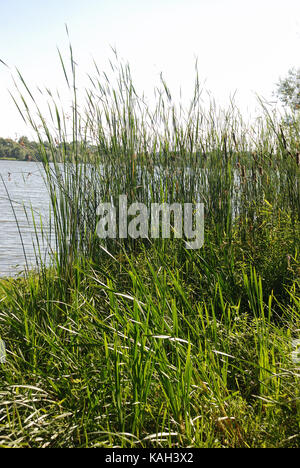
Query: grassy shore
[144,343]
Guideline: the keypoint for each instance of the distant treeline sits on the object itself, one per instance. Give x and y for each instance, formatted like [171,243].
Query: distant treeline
[21,150]
[25,150]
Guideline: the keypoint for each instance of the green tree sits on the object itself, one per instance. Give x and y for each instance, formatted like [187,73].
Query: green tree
[17,153]
[288,89]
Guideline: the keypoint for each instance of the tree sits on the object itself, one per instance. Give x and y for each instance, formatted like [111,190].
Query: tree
[288,89]
[17,153]
[23,141]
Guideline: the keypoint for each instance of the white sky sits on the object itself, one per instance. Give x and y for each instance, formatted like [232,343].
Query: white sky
[241,45]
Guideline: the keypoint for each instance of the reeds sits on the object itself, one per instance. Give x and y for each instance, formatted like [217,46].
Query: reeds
[122,146]
[145,343]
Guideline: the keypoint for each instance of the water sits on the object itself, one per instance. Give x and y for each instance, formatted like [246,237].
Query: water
[27,191]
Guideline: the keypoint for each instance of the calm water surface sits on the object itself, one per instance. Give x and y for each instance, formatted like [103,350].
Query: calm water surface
[28,193]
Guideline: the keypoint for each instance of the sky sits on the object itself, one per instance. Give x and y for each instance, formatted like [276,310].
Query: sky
[241,46]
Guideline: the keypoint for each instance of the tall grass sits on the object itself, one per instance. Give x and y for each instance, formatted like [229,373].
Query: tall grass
[138,343]
[166,152]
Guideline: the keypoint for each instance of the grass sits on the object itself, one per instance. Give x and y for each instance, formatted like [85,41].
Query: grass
[143,343]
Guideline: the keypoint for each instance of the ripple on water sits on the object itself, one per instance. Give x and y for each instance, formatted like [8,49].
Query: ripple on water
[28,193]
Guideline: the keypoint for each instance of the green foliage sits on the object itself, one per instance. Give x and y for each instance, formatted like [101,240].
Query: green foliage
[21,150]
[130,358]
[288,89]
[25,150]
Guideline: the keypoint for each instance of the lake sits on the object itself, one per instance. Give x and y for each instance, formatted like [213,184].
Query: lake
[28,196]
